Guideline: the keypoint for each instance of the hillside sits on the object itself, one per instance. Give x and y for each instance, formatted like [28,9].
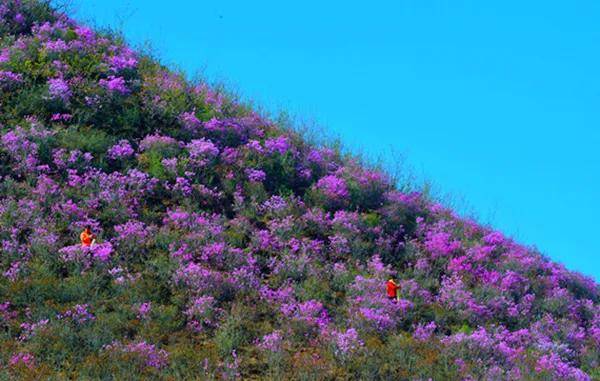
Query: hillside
[228,247]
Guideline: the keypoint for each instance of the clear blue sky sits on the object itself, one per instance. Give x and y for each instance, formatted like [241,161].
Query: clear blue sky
[496,103]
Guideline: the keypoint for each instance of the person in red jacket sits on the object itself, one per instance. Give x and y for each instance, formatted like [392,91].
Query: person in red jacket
[87,237]
[392,289]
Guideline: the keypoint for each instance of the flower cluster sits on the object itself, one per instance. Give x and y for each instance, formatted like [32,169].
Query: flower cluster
[114,84]
[424,332]
[272,342]
[147,354]
[202,313]
[78,314]
[121,150]
[22,359]
[333,187]
[256,175]
[58,88]
[143,310]
[83,254]
[346,343]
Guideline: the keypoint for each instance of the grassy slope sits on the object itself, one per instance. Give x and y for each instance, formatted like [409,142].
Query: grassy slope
[233,248]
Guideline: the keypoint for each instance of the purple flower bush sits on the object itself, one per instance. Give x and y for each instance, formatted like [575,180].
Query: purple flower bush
[202,313]
[144,310]
[22,359]
[346,343]
[228,247]
[59,89]
[256,175]
[144,354]
[114,84]
[333,187]
[78,314]
[9,80]
[121,150]
[272,342]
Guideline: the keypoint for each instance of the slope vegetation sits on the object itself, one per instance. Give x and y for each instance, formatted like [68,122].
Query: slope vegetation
[229,247]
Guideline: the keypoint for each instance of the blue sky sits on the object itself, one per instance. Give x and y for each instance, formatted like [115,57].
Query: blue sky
[497,104]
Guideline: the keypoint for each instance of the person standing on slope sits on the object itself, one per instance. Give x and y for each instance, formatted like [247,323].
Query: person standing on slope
[87,237]
[392,289]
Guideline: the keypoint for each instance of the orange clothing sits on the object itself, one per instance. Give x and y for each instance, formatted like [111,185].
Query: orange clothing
[391,288]
[86,238]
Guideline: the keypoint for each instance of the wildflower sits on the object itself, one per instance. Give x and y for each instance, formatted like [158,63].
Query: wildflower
[19,18]
[22,358]
[279,145]
[56,46]
[61,117]
[493,238]
[440,243]
[333,187]
[58,88]
[212,124]
[78,314]
[311,312]
[31,329]
[272,342]
[189,121]
[170,164]
[143,310]
[231,371]
[183,186]
[120,150]
[122,61]
[200,149]
[4,55]
[424,332]
[201,313]
[8,78]
[147,354]
[553,364]
[156,140]
[256,175]
[210,96]
[346,343]
[274,204]
[132,230]
[114,84]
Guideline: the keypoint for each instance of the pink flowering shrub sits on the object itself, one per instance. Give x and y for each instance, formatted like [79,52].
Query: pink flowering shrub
[78,314]
[146,355]
[144,310]
[202,313]
[59,89]
[121,150]
[86,255]
[133,239]
[22,359]
[346,343]
[115,85]
[272,342]
[9,80]
[310,314]
[331,192]
[555,367]
[423,332]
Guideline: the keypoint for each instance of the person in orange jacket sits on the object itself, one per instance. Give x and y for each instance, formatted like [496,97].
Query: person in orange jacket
[392,289]
[87,237]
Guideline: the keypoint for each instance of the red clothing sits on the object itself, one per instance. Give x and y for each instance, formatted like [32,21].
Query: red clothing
[391,287]
[86,238]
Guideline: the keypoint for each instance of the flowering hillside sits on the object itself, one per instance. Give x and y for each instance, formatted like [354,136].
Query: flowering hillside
[230,248]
